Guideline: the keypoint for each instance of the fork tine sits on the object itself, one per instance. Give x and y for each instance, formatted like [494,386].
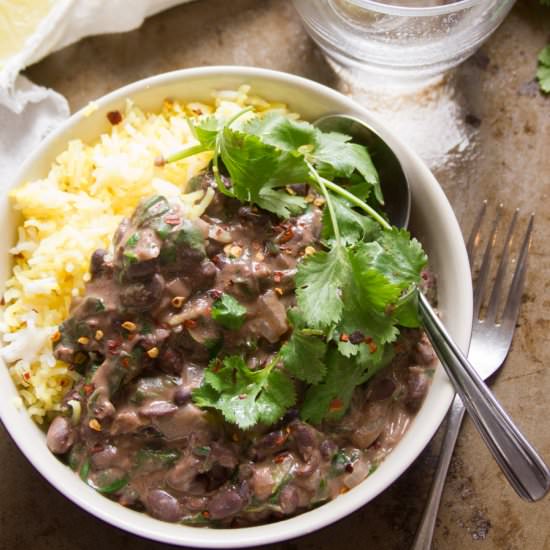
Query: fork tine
[475,234]
[479,292]
[513,302]
[501,272]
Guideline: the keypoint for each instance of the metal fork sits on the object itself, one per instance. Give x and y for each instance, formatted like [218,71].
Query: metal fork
[490,343]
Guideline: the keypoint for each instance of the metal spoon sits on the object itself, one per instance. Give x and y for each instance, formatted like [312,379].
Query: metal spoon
[520,463]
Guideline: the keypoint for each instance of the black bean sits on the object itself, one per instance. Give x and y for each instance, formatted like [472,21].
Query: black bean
[142,295]
[226,503]
[163,505]
[97,261]
[60,436]
[304,438]
[289,499]
[182,396]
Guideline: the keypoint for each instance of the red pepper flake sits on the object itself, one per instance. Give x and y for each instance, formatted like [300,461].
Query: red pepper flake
[343,490]
[344,337]
[88,388]
[280,440]
[125,362]
[160,161]
[112,346]
[172,219]
[368,339]
[242,396]
[278,459]
[277,276]
[285,236]
[372,347]
[215,294]
[97,448]
[2,301]
[190,323]
[27,376]
[335,405]
[205,514]
[115,117]
[349,468]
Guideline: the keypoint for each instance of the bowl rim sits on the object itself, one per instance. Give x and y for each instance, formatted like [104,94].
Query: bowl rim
[140,524]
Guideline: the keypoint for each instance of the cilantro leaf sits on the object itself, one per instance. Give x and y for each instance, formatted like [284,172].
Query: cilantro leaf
[228,312]
[353,225]
[336,157]
[245,397]
[206,131]
[303,356]
[320,279]
[331,398]
[280,131]
[395,255]
[280,202]
[249,162]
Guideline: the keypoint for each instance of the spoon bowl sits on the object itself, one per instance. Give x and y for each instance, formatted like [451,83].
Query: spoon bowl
[395,187]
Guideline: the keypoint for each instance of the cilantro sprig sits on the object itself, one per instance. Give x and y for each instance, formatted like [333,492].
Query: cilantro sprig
[543,71]
[352,296]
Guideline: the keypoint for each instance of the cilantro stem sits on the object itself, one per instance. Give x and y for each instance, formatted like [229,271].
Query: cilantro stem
[355,201]
[189,152]
[238,115]
[217,149]
[322,184]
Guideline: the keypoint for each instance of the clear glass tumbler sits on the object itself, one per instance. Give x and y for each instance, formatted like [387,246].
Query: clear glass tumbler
[400,41]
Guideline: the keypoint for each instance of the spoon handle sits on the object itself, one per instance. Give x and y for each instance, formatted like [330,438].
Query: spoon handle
[520,463]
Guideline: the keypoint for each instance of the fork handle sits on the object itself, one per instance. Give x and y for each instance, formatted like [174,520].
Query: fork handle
[425,532]
[520,463]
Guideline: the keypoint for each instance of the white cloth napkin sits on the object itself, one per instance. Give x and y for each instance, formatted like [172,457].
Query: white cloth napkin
[27,111]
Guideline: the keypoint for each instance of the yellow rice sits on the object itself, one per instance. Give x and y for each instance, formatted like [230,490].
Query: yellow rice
[76,209]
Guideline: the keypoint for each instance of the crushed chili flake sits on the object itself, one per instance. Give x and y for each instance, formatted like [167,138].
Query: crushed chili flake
[177,301]
[97,448]
[160,161]
[206,514]
[242,396]
[285,236]
[112,346]
[129,326]
[279,458]
[215,293]
[94,424]
[190,323]
[349,468]
[56,336]
[88,388]
[277,276]
[125,362]
[335,405]
[344,337]
[115,117]
[372,347]
[153,352]
[172,219]
[27,376]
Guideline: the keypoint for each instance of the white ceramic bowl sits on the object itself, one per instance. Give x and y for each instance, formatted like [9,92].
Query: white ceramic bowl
[432,221]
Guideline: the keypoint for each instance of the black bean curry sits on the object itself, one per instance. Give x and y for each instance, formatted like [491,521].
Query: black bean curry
[173,295]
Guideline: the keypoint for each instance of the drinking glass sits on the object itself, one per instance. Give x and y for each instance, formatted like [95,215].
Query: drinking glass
[395,41]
